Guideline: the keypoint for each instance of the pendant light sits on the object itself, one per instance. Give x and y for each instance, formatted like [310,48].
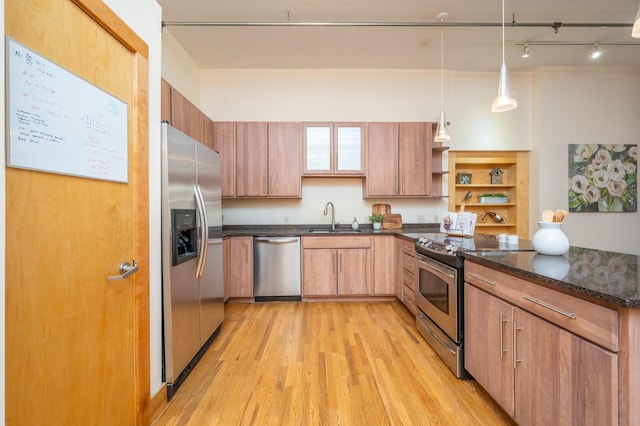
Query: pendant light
[635,32]
[506,100]
[442,132]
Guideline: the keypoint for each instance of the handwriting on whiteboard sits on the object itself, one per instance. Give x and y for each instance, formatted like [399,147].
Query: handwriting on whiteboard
[61,123]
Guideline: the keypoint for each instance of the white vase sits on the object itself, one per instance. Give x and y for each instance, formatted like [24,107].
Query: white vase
[550,239]
[377,226]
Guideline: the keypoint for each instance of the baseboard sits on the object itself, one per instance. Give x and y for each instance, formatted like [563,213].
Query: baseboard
[158,402]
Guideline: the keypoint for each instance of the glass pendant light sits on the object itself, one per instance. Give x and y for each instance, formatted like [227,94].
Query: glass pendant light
[506,100]
[635,32]
[442,132]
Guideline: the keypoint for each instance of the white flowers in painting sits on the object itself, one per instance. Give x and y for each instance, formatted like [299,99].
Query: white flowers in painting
[603,177]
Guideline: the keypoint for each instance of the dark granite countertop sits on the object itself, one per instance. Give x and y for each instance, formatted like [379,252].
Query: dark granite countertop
[408,231]
[591,274]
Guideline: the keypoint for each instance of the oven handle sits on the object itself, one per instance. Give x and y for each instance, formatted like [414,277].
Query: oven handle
[435,336]
[429,263]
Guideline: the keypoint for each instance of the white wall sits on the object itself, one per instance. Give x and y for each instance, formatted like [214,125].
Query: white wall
[144,17]
[590,106]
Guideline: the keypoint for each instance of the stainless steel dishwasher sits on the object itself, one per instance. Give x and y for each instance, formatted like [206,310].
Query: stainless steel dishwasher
[276,268]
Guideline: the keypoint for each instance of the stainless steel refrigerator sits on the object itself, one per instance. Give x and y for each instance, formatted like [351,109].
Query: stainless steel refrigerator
[192,283]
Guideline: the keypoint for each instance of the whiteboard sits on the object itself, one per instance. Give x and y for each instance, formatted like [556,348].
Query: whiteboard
[60,123]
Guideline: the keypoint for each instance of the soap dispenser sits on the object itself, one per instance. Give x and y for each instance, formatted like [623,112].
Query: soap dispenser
[355,225]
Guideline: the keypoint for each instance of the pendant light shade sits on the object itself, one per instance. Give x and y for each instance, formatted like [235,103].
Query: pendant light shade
[506,100]
[442,132]
[635,32]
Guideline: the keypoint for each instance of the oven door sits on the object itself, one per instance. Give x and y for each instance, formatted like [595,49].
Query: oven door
[437,294]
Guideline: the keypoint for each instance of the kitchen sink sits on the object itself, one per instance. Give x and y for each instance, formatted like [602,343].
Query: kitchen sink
[335,231]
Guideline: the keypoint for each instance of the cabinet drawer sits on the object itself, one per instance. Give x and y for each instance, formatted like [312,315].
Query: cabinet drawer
[408,263]
[336,242]
[586,319]
[409,298]
[409,280]
[409,247]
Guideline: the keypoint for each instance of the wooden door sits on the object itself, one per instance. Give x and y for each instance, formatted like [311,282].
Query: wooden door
[384,264]
[319,272]
[382,160]
[562,378]
[251,159]
[239,276]
[353,271]
[414,159]
[488,355]
[77,345]
[285,147]
[224,141]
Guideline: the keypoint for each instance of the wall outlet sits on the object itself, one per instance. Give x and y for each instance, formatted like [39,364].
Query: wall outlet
[420,218]
[436,218]
[286,220]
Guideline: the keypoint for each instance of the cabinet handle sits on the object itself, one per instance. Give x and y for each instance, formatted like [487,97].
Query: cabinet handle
[396,185]
[481,279]
[270,188]
[502,349]
[515,344]
[264,186]
[403,185]
[550,307]
[340,263]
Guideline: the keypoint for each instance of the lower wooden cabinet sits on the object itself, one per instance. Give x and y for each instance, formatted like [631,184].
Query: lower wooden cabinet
[409,280]
[238,267]
[539,373]
[384,263]
[336,266]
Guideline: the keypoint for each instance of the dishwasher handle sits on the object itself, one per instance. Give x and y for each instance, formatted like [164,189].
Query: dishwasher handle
[276,240]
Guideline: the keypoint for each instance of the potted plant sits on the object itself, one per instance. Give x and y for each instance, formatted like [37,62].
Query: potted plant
[376,220]
[493,197]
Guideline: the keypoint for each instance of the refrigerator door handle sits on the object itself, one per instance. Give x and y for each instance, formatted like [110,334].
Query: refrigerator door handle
[205,230]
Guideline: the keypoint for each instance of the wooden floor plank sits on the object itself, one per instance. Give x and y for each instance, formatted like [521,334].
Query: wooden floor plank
[355,363]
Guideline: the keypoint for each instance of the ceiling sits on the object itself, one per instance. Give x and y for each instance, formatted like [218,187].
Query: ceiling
[466,47]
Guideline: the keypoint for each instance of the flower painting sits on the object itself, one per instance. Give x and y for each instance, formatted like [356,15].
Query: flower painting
[603,178]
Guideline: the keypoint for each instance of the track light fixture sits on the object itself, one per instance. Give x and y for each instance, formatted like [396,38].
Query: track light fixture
[595,51]
[442,132]
[506,100]
[525,51]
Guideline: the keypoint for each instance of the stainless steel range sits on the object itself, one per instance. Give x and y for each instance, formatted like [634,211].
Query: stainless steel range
[439,294]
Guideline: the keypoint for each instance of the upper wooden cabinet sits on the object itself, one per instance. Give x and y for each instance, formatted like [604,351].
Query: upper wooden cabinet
[333,148]
[477,167]
[223,135]
[400,161]
[268,160]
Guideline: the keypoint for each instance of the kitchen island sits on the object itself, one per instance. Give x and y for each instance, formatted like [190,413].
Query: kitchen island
[556,339]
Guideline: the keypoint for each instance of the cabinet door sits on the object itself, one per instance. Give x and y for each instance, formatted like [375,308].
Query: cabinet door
[384,264]
[488,341]
[348,148]
[186,117]
[353,271]
[382,160]
[239,271]
[285,179]
[224,141]
[165,101]
[319,268]
[318,155]
[561,378]
[251,159]
[414,159]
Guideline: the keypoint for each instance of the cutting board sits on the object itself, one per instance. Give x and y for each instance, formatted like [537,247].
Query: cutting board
[392,221]
[380,209]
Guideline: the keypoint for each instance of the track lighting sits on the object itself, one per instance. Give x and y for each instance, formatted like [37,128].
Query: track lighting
[506,100]
[442,133]
[595,52]
[525,51]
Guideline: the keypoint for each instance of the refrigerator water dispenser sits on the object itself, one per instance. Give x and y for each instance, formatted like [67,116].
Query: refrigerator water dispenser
[184,235]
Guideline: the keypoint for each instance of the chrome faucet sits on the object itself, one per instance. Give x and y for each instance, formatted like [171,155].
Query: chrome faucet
[333,215]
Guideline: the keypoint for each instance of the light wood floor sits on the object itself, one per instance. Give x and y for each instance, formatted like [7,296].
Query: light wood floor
[349,363]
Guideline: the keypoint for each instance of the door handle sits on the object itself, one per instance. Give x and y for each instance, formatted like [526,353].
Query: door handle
[126,269]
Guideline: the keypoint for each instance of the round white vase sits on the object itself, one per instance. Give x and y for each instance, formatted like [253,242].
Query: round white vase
[377,226]
[550,239]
